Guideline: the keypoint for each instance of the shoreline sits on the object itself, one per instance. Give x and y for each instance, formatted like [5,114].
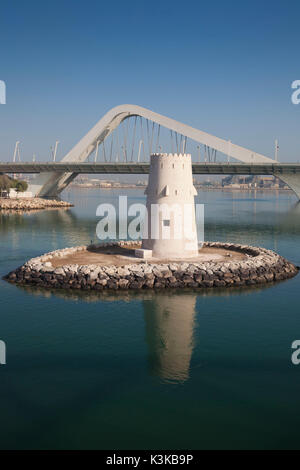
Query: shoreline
[31,204]
[257,267]
[249,190]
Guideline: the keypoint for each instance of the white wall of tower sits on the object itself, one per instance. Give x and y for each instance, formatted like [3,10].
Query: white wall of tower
[171,183]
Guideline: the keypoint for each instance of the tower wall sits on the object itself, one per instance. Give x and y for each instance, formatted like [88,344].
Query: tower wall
[171,187]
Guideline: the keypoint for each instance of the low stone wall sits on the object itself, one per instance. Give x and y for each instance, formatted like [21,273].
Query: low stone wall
[260,267]
[31,204]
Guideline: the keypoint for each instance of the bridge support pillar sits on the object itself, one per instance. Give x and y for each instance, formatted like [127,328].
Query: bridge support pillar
[292,180]
[50,184]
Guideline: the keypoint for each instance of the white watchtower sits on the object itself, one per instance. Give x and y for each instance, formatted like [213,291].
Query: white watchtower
[172,231]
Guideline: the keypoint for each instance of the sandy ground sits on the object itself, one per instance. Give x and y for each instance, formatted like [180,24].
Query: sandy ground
[120,256]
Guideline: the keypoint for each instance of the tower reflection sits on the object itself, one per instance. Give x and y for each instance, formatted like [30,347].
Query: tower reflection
[170,321]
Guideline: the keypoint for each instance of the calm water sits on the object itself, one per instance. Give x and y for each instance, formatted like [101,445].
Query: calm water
[171,370]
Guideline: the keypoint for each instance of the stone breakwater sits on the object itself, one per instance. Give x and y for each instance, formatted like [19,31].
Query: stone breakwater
[260,266]
[31,204]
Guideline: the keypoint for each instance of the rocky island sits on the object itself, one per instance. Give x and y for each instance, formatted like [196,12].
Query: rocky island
[158,261]
[114,266]
[27,204]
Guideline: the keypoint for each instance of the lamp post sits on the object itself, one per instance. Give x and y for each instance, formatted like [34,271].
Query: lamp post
[276,150]
[55,150]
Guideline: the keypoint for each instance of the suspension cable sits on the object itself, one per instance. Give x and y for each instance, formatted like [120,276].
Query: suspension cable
[127,129]
[184,144]
[152,138]
[148,135]
[133,139]
[180,146]
[157,140]
[111,146]
[104,152]
[118,145]
[142,135]
[125,142]
[171,133]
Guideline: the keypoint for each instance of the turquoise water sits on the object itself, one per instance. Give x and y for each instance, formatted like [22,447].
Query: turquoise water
[164,370]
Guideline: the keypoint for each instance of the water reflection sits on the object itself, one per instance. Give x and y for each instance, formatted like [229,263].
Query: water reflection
[228,217]
[49,218]
[56,225]
[290,220]
[143,295]
[169,321]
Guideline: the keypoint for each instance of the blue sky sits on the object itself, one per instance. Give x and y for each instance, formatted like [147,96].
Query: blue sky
[225,67]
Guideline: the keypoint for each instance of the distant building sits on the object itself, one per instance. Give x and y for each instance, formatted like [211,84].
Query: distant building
[252,182]
[266,181]
[13,194]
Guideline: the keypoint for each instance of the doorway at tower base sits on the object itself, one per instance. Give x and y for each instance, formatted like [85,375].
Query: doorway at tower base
[142,253]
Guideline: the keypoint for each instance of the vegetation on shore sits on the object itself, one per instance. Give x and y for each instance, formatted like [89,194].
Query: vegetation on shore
[7,183]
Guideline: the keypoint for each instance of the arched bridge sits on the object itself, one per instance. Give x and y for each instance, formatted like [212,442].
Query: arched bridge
[125,137]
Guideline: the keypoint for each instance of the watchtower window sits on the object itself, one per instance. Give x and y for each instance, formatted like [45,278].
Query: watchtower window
[173,165]
[166,222]
[176,192]
[161,165]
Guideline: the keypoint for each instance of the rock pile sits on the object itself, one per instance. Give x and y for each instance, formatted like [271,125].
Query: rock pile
[261,266]
[31,204]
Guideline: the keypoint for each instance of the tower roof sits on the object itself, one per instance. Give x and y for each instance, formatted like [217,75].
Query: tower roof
[182,155]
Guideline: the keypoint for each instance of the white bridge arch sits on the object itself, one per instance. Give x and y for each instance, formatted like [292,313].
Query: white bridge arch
[51,184]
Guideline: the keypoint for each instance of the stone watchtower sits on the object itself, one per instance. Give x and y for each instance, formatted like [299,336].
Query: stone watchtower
[172,232]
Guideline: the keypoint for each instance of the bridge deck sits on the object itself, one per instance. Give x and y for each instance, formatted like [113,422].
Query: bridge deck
[143,168]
